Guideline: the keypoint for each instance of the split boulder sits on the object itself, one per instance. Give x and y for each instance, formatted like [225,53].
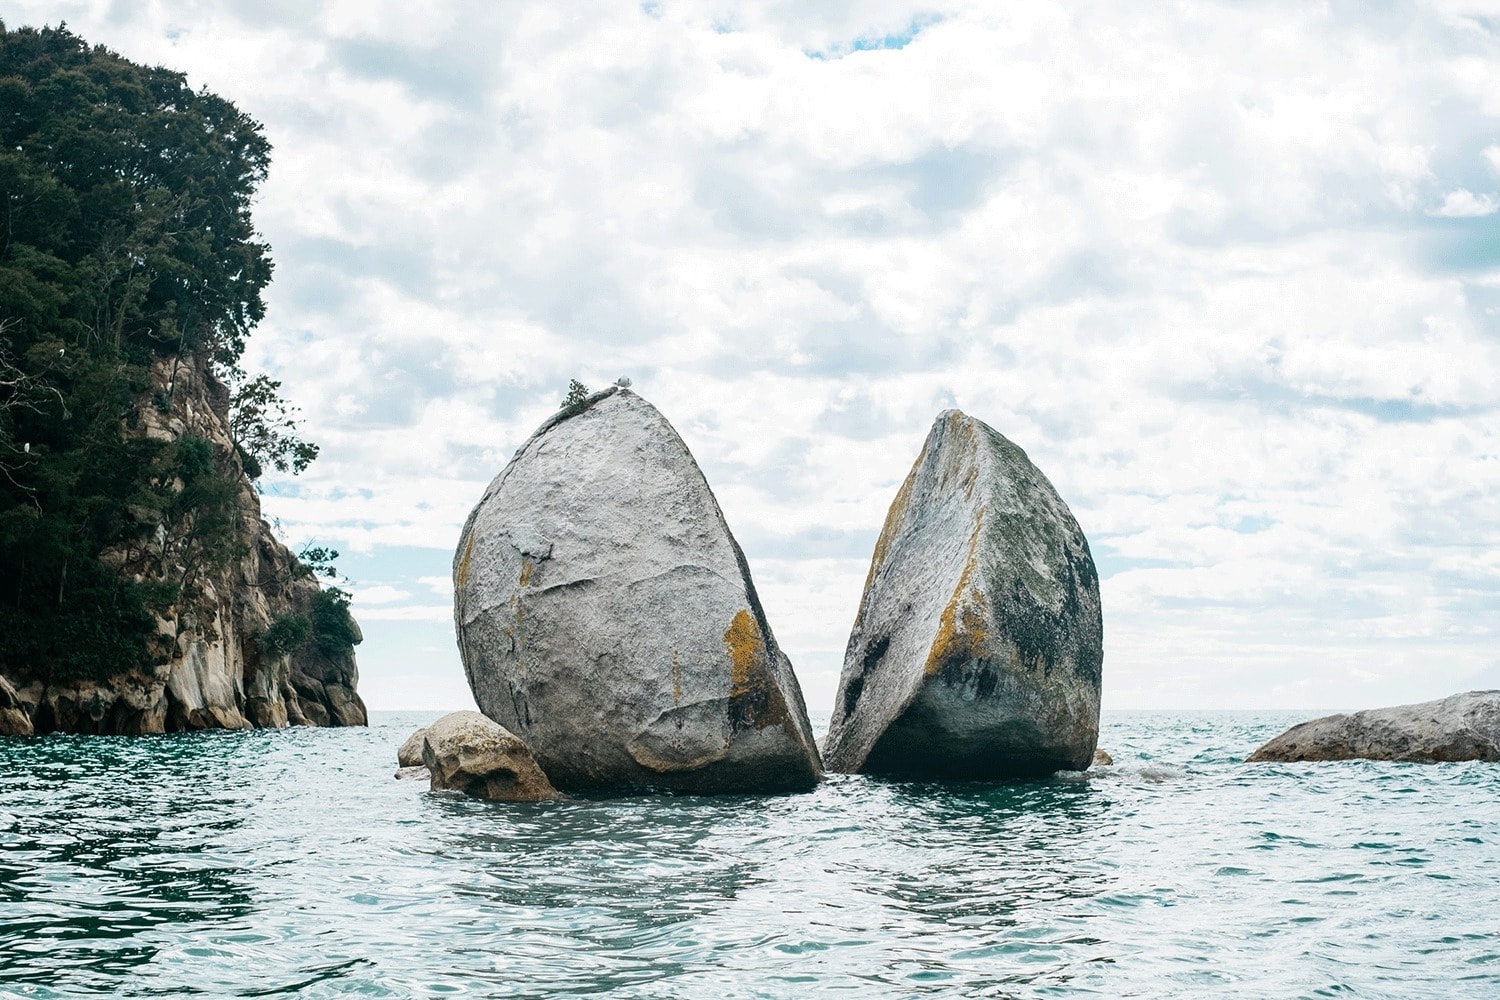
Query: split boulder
[606,615]
[978,647]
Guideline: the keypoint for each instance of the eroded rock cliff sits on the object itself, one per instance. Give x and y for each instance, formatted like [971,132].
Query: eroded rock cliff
[249,639]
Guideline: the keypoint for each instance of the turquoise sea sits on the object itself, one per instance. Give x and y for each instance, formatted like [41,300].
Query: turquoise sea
[267,864]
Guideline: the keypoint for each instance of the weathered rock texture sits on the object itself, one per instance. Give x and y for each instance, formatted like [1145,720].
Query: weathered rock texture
[1459,727]
[605,614]
[205,668]
[978,645]
[468,753]
[410,753]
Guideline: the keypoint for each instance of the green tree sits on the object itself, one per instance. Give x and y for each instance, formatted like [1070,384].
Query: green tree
[577,399]
[264,426]
[126,240]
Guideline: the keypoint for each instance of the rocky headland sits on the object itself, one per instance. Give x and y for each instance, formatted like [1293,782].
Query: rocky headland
[1459,727]
[978,647]
[606,615]
[216,658]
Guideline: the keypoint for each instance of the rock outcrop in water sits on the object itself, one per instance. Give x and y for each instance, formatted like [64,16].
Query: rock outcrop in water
[466,752]
[410,752]
[606,616]
[207,666]
[1459,727]
[978,646]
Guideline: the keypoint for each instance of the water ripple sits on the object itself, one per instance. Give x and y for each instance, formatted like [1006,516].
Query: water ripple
[290,864]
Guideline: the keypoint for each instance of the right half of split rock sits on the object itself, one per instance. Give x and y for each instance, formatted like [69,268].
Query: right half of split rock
[978,648]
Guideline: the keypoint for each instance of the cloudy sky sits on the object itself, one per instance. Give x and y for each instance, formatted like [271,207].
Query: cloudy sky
[1230,274]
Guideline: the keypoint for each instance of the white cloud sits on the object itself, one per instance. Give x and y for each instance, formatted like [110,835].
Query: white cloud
[1465,204]
[379,594]
[1184,257]
[409,613]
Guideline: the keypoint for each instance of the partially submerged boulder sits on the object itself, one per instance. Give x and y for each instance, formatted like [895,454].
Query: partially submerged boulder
[978,647]
[468,753]
[1459,727]
[606,615]
[410,753]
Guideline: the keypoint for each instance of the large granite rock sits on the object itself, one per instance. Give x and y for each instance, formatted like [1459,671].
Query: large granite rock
[605,615]
[978,645]
[466,752]
[1459,727]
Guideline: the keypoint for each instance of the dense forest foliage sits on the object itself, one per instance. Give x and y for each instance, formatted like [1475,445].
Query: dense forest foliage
[125,239]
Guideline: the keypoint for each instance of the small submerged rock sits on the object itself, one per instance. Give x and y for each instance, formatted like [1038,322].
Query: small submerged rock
[1102,759]
[1459,727]
[606,615]
[410,754]
[466,752]
[978,647]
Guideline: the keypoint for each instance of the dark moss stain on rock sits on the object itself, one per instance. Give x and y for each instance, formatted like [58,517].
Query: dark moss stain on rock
[1046,638]
[874,653]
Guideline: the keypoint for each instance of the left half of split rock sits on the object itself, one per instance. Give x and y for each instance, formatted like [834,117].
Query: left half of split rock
[606,615]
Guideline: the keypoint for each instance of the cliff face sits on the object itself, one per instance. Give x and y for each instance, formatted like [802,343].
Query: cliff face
[209,665]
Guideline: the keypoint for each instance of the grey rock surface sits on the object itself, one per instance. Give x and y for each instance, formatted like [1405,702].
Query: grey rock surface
[978,647]
[14,721]
[410,752]
[1459,727]
[605,614]
[465,752]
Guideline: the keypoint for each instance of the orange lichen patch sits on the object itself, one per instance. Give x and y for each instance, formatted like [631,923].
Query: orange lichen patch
[956,643]
[462,576]
[754,696]
[747,652]
[961,633]
[527,568]
[893,522]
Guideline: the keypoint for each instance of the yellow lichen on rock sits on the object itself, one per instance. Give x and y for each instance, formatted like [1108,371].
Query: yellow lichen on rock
[892,526]
[462,576]
[754,696]
[527,569]
[961,633]
[747,652]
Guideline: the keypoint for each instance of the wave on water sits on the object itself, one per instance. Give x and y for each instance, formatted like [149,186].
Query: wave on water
[291,863]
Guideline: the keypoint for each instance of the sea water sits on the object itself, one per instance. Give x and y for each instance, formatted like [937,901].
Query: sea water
[290,863]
